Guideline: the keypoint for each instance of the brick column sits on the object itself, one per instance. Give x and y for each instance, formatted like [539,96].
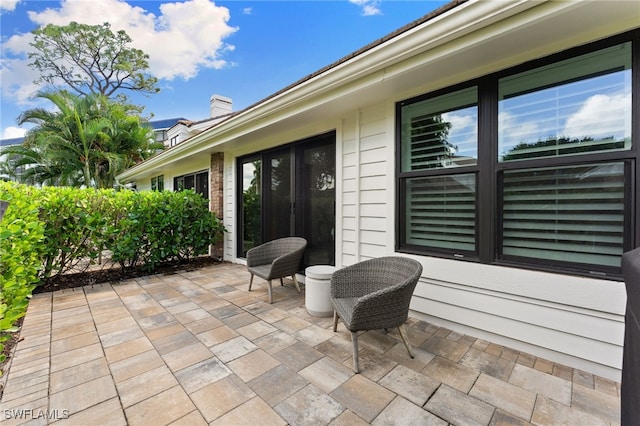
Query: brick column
[216,199]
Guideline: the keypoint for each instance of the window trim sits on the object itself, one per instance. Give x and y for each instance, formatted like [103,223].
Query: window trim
[489,171]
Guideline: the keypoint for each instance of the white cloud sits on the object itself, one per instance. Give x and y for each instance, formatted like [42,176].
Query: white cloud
[13,132]
[247,11]
[512,132]
[8,4]
[17,80]
[184,38]
[369,7]
[601,116]
[463,133]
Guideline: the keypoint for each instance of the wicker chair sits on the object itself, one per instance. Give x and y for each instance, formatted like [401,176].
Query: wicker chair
[276,259]
[374,294]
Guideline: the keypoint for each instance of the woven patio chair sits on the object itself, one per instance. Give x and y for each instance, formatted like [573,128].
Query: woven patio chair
[276,259]
[373,295]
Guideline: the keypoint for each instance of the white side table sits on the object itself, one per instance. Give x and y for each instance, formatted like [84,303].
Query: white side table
[317,293]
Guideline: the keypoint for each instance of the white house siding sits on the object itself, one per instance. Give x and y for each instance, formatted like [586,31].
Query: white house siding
[571,320]
[229,207]
[366,189]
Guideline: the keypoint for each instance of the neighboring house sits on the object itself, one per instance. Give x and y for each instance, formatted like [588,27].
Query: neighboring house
[221,107]
[495,142]
[161,128]
[6,143]
[174,131]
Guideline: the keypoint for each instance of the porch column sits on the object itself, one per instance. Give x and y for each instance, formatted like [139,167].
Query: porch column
[216,186]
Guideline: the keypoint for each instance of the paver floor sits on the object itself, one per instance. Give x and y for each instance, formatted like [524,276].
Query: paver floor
[196,348]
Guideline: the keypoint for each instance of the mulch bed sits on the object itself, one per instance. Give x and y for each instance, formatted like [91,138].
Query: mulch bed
[118,274]
[112,275]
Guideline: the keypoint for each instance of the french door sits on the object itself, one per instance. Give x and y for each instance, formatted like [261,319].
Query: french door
[290,191]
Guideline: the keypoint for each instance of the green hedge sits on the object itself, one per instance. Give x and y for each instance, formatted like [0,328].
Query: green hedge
[135,228]
[157,227]
[54,230]
[21,249]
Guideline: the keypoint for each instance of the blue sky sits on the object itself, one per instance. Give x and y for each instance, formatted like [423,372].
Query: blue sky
[244,50]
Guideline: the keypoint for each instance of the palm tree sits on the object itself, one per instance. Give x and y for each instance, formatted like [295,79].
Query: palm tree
[86,140]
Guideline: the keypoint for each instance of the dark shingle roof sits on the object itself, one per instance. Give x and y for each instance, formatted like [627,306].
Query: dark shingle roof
[164,124]
[11,141]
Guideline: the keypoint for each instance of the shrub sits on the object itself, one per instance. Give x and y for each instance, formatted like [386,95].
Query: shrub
[163,226]
[21,249]
[75,225]
[146,228]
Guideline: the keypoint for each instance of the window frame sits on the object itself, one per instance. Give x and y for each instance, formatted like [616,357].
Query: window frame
[193,178]
[490,171]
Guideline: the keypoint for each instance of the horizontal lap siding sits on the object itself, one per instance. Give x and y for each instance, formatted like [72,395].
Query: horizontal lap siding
[570,320]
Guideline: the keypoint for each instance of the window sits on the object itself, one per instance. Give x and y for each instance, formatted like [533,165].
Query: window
[439,145]
[174,141]
[157,183]
[160,135]
[532,166]
[199,182]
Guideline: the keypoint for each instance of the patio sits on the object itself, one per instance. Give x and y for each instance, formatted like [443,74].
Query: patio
[196,348]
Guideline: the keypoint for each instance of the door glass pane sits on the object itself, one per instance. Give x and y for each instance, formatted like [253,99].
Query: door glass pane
[571,214]
[571,107]
[317,199]
[251,205]
[279,197]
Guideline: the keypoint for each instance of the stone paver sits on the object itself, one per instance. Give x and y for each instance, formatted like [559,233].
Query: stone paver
[459,408]
[363,396]
[403,412]
[221,396]
[545,384]
[196,348]
[505,396]
[309,406]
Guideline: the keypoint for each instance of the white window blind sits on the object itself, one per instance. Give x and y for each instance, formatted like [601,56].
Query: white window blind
[569,214]
[441,212]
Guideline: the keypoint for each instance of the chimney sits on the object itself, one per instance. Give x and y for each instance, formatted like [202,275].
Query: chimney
[220,105]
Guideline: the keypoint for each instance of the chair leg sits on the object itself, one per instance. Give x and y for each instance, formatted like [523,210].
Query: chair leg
[335,321]
[295,281]
[405,339]
[250,282]
[356,362]
[281,282]
[270,292]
